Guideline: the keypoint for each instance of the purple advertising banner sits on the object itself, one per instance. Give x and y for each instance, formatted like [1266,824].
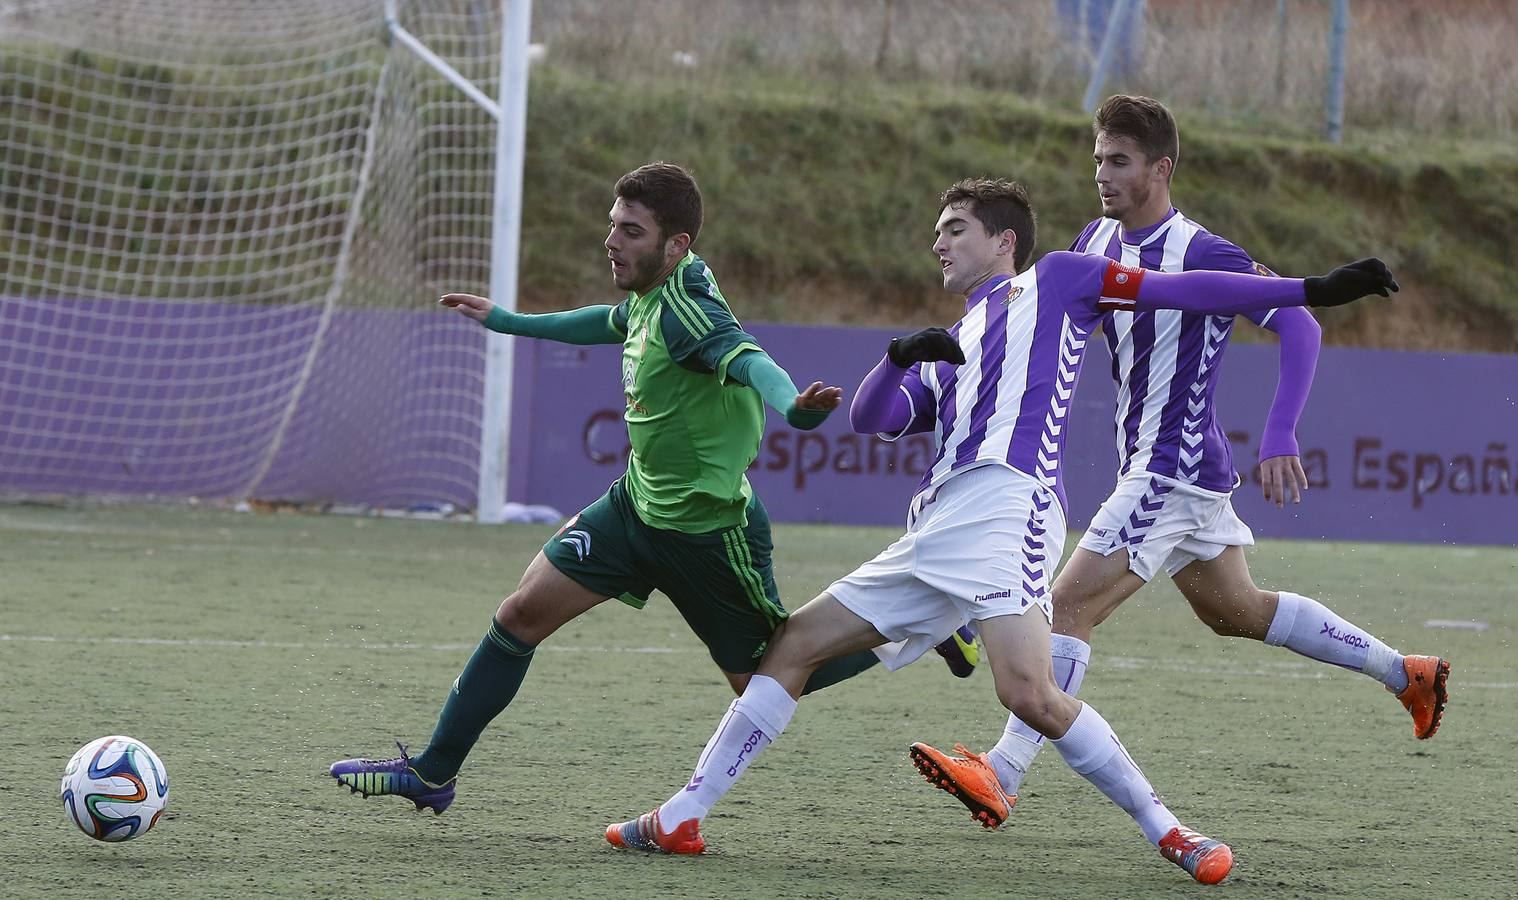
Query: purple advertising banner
[383,408]
[1397,446]
[223,400]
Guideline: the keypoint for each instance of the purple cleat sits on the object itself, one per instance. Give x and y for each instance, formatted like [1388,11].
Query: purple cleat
[378,777]
[960,652]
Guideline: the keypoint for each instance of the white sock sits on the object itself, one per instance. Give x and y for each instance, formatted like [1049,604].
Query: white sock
[1305,626]
[752,722]
[1019,744]
[1094,752]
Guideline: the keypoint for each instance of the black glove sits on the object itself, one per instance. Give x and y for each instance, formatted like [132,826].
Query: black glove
[927,345]
[1349,283]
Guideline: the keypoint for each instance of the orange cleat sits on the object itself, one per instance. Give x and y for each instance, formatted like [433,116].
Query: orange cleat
[969,778]
[644,833]
[1426,693]
[1207,860]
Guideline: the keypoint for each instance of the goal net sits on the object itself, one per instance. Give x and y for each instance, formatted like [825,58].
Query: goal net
[224,225]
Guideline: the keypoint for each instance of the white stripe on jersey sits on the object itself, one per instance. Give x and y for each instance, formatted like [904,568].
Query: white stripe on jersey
[1014,377]
[1022,316]
[1167,331]
[966,389]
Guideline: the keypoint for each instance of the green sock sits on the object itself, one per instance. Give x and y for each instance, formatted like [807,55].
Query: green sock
[486,686]
[836,670]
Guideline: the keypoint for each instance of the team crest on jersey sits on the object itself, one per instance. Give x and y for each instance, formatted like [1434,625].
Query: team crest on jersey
[1017,291]
[630,366]
[1260,269]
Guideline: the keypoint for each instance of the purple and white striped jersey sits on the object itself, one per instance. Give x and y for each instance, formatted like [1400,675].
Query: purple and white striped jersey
[1023,338]
[1166,363]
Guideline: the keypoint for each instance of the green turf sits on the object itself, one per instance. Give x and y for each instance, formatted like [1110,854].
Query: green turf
[251,651]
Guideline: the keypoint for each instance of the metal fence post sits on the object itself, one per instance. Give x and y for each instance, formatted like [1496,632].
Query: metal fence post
[1338,38]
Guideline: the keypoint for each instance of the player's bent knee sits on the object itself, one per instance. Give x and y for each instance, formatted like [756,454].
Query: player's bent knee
[530,615]
[797,650]
[1039,705]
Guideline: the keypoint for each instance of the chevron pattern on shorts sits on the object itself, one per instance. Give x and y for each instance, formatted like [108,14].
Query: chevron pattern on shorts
[1143,515]
[1035,550]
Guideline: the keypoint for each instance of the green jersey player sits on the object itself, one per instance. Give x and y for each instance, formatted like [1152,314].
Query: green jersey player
[682,519]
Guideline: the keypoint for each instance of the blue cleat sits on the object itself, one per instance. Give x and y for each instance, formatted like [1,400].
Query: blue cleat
[960,652]
[396,777]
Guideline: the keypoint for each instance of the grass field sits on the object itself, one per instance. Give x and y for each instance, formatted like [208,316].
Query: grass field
[250,651]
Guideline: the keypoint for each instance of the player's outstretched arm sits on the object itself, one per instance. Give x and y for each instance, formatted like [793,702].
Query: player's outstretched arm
[802,409]
[1232,293]
[880,405]
[1281,470]
[586,325]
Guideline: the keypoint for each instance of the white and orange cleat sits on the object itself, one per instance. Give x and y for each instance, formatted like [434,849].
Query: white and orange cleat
[1426,693]
[644,833]
[1206,859]
[969,778]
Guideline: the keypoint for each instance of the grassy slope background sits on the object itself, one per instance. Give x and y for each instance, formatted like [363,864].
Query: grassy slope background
[821,192]
[820,206]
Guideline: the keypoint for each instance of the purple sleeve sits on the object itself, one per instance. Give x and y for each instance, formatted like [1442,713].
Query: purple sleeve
[1215,254]
[1090,285]
[891,402]
[1300,339]
[1204,293]
[1210,252]
[1076,280]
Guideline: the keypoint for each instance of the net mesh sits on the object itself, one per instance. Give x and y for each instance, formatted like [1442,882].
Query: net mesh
[223,227]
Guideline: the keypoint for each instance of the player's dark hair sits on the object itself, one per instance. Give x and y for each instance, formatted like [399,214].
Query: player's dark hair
[998,204]
[670,193]
[1143,120]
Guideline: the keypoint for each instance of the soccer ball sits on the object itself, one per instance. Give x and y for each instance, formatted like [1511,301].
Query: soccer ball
[115,788]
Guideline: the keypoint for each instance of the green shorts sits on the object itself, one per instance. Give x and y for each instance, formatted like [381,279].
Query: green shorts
[722,582]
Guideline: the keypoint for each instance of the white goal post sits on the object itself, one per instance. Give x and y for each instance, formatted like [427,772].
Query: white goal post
[510,114]
[224,227]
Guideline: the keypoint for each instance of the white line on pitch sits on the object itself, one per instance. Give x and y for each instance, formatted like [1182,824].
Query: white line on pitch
[1286,669]
[304,645]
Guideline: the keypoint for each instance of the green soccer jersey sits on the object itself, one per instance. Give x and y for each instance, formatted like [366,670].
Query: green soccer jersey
[694,432]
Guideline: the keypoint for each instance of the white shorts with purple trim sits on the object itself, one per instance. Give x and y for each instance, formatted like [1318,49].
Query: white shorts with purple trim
[1163,523]
[983,544]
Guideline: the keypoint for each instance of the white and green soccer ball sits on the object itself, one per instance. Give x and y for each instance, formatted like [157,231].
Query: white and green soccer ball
[115,788]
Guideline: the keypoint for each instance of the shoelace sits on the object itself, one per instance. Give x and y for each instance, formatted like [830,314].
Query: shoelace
[1191,844]
[645,831]
[964,751]
[995,780]
[405,758]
